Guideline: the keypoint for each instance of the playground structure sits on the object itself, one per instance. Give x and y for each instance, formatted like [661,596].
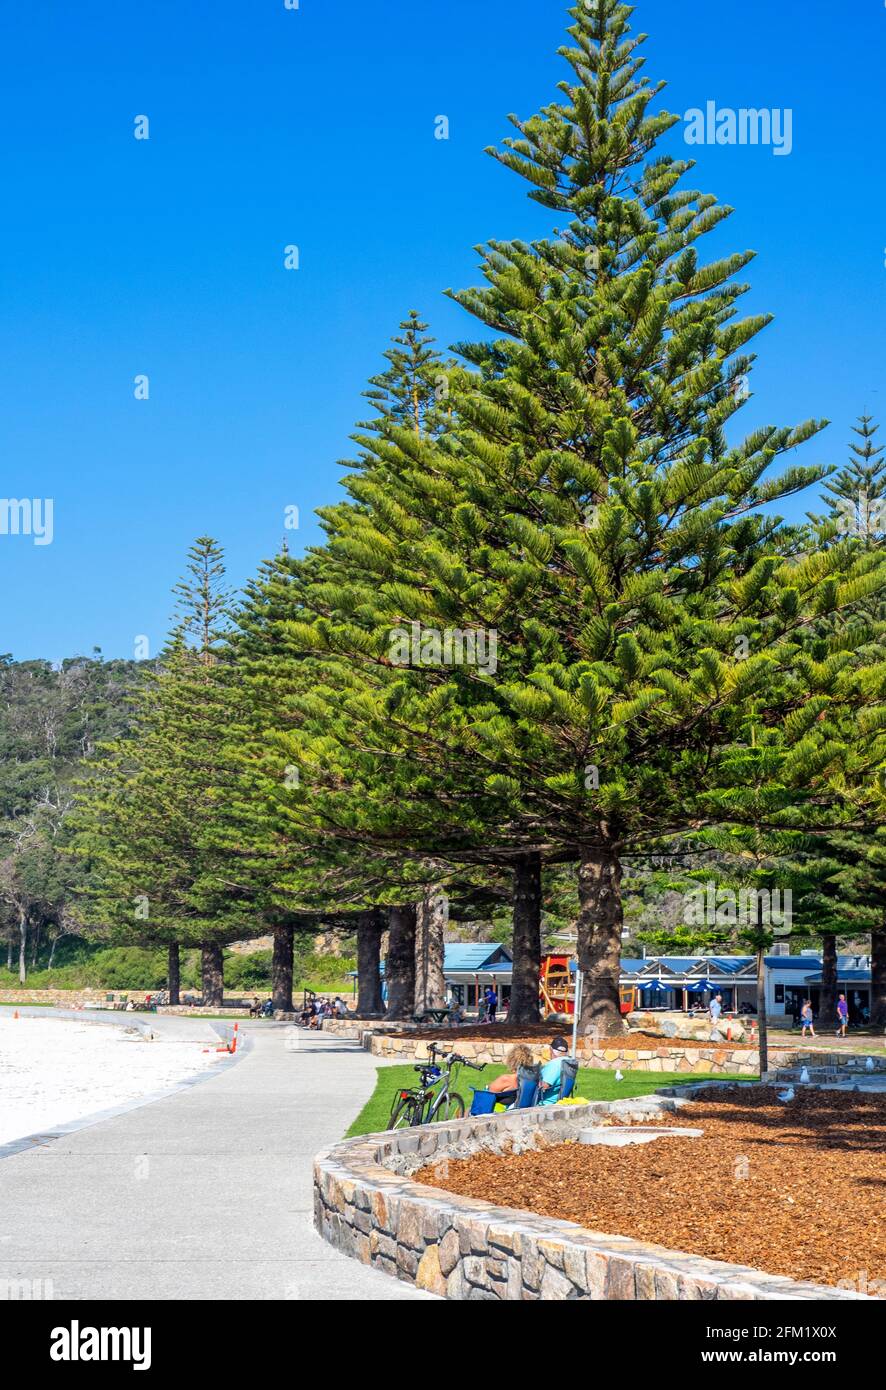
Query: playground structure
[557,987]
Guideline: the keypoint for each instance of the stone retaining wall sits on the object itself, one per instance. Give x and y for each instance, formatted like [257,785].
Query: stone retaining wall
[853,1061]
[98,998]
[65,998]
[347,1028]
[668,1057]
[366,1205]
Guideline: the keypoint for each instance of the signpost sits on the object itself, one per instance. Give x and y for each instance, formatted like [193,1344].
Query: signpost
[576,1011]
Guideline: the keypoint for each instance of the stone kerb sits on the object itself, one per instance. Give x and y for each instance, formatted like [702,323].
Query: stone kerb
[367,1206]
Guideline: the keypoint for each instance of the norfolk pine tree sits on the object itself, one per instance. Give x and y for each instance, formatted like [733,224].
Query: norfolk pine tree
[583,503]
[147,809]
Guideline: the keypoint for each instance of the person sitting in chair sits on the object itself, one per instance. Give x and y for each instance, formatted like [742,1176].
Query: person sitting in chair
[505,1086]
[552,1071]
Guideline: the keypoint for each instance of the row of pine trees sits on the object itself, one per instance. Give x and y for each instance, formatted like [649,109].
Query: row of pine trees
[557,626]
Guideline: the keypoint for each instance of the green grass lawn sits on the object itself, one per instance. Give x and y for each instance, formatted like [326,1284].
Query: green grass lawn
[591,1085]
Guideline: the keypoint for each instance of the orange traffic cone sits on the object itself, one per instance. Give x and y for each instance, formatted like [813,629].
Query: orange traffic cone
[15,1015]
[232,1045]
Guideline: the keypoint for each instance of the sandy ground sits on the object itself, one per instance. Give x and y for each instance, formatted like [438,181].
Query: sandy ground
[53,1071]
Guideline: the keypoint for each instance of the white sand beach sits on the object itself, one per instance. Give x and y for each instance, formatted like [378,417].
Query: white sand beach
[53,1071]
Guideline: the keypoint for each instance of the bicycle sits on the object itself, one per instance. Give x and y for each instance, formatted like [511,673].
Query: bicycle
[425,1104]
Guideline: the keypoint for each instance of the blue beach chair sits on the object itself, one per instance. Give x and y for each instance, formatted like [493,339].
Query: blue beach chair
[484,1102]
[568,1077]
[528,1082]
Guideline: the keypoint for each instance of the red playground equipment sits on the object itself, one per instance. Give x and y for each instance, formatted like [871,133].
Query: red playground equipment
[557,987]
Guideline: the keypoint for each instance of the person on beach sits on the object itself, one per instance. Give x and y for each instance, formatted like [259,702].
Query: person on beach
[842,1016]
[806,1019]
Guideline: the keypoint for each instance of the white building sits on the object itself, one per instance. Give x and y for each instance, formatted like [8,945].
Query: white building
[683,982]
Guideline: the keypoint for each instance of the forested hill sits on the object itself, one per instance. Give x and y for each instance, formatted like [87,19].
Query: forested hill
[51,717]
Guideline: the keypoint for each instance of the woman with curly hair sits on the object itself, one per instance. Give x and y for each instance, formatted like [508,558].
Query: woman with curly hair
[505,1086]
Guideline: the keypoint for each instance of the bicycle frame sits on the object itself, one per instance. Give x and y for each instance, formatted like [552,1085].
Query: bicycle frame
[423,1102]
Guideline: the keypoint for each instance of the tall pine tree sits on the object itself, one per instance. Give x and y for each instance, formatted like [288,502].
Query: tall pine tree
[585,523]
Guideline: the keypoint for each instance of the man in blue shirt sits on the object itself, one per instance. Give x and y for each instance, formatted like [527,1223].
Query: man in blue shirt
[491,1000]
[552,1071]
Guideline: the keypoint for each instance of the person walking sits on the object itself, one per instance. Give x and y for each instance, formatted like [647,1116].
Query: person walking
[842,1016]
[715,1008]
[491,999]
[806,1019]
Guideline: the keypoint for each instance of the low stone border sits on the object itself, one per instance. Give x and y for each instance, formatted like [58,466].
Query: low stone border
[346,1028]
[398,1043]
[98,999]
[668,1056]
[852,1061]
[63,997]
[459,1247]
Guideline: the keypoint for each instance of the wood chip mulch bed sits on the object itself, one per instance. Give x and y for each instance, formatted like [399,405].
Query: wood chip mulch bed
[538,1032]
[797,1189]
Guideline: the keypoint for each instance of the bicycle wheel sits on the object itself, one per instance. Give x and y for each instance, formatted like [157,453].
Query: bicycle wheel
[402,1114]
[449,1106]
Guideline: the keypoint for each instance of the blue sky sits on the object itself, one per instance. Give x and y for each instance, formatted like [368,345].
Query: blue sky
[315,127]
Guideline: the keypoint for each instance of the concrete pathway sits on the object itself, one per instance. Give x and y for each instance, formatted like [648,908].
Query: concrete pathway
[204,1194]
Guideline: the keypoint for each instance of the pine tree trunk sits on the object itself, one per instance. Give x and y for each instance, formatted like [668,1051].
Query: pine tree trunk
[281,988]
[762,1026]
[827,1005]
[173,973]
[430,982]
[878,979]
[400,962]
[22,947]
[212,973]
[369,1004]
[599,928]
[527,940]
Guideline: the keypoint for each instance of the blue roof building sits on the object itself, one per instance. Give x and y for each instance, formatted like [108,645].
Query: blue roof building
[682,982]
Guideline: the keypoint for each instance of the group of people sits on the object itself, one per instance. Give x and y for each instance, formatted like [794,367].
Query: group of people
[505,1087]
[807,1022]
[487,1012]
[314,1012]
